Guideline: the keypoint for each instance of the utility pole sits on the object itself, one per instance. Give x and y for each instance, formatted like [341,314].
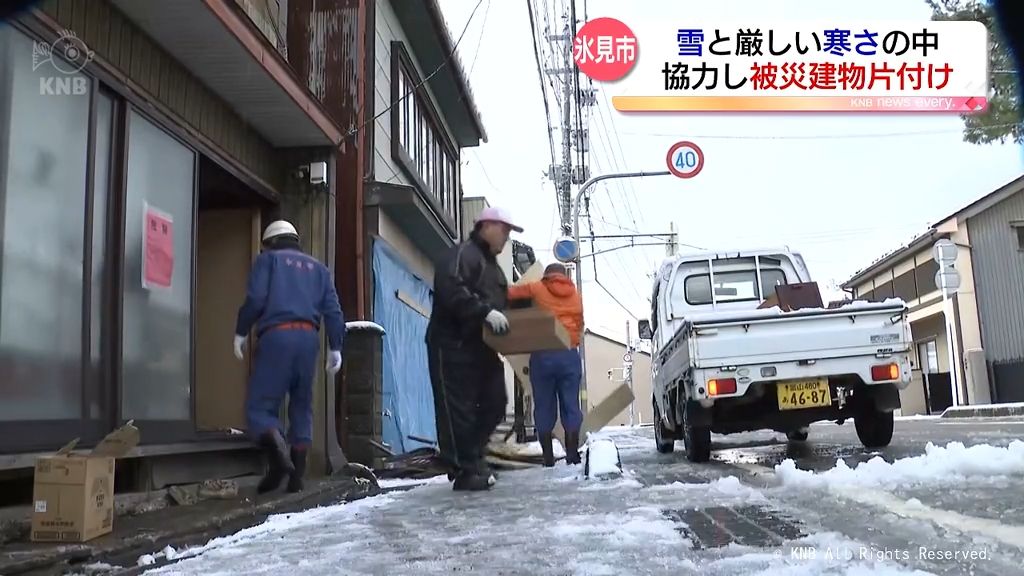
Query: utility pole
[564,190]
[574,135]
[673,243]
[627,372]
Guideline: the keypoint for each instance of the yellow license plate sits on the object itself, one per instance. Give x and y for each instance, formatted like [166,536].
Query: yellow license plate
[804,394]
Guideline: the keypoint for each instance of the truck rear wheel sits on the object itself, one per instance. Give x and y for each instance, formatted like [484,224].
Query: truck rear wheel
[874,428]
[664,440]
[697,440]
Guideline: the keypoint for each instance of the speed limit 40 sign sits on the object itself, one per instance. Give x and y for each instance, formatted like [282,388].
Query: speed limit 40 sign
[685,159]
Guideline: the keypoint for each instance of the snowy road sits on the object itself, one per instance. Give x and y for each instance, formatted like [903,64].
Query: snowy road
[944,509]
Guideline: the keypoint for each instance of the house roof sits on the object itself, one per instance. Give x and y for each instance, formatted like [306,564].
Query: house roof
[932,234]
[434,48]
[893,257]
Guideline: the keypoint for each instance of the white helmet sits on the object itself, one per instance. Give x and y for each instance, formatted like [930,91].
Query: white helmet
[279,228]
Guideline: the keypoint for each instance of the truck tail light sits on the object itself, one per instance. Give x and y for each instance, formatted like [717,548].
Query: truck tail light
[719,386]
[885,372]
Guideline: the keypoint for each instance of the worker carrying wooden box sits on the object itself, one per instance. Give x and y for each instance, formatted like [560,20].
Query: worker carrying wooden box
[555,369]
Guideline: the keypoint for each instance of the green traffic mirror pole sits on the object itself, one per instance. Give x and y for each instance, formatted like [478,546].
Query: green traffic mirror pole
[579,261]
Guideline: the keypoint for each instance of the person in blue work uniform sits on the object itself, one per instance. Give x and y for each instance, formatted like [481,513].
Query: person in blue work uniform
[288,294]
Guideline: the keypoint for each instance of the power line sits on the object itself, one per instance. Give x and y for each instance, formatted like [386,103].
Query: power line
[480,40]
[443,63]
[617,301]
[540,77]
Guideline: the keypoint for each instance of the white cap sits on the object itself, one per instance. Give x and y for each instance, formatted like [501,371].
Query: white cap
[496,214]
[279,228]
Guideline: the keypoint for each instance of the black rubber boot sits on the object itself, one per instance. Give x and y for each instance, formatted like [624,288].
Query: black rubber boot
[471,481]
[546,449]
[279,464]
[295,478]
[572,447]
[485,470]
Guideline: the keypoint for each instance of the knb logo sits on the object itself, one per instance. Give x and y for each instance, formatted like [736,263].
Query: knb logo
[68,55]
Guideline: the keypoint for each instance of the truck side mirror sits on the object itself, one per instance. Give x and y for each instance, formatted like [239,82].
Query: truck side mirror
[644,327]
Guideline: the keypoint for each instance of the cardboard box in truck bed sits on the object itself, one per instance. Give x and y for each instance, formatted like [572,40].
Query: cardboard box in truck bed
[73,494]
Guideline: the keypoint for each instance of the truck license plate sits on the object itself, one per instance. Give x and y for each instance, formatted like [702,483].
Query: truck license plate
[804,394]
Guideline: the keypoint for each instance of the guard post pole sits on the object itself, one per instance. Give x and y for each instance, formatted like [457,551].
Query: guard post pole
[579,260]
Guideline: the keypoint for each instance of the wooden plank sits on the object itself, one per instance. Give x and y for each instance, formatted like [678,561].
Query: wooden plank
[411,303]
[607,410]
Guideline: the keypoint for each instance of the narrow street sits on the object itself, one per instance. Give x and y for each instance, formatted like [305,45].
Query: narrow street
[934,510]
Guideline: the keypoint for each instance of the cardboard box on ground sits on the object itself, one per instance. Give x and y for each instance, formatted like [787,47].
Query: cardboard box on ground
[73,494]
[595,418]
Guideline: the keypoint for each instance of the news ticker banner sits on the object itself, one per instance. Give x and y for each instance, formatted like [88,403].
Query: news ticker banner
[738,66]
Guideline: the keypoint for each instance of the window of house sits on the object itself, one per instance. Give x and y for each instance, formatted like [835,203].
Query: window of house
[422,148]
[924,276]
[43,195]
[1018,232]
[905,286]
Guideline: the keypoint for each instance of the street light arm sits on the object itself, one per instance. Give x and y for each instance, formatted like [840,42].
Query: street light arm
[586,186]
[579,262]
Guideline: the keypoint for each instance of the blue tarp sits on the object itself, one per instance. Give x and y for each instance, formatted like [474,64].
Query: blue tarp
[408,401]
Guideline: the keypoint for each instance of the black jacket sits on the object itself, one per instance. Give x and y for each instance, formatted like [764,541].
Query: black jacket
[468,283]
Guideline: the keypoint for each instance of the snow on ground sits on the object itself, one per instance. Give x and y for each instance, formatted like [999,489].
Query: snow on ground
[277,527]
[827,553]
[386,483]
[721,490]
[938,465]
[540,521]
[528,450]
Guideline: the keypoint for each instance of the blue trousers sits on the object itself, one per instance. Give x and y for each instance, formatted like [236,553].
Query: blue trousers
[285,363]
[556,375]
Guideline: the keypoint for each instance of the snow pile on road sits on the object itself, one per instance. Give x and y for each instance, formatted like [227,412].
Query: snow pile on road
[727,488]
[938,464]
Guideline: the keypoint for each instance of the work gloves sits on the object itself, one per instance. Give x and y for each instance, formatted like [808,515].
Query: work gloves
[239,344]
[333,357]
[497,321]
[333,362]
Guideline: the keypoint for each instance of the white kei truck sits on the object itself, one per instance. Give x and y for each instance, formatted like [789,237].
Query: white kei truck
[721,364]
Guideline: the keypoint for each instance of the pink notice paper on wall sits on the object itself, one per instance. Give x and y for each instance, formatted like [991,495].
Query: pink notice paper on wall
[157,249]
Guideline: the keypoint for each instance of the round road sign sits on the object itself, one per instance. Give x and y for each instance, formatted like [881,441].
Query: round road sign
[685,159]
[944,251]
[566,249]
[950,277]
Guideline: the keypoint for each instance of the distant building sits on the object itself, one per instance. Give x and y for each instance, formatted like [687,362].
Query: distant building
[606,371]
[988,309]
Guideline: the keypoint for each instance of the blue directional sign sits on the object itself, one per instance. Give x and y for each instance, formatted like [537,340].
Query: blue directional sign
[566,249]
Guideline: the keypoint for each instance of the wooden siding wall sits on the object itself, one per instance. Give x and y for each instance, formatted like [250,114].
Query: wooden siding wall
[326,43]
[117,40]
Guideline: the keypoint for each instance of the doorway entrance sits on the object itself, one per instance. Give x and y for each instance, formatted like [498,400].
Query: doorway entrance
[228,231]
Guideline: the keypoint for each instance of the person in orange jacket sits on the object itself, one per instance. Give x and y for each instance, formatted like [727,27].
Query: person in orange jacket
[556,374]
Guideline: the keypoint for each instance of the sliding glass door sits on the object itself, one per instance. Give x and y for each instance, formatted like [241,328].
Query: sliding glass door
[156,340]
